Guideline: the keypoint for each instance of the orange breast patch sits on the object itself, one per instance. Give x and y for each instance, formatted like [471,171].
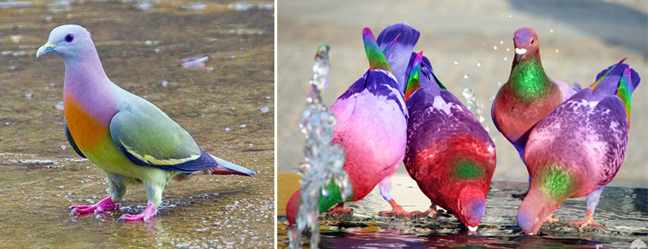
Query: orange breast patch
[85,129]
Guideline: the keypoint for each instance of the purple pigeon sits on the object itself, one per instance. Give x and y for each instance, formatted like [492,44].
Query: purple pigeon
[449,154]
[578,148]
[372,121]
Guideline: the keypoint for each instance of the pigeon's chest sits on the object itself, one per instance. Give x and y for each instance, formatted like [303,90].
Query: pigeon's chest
[87,130]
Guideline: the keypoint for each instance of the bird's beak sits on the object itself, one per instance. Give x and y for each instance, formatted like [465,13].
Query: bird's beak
[45,49]
[519,53]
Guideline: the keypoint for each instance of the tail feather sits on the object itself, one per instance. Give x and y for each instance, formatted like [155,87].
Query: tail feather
[624,92]
[413,81]
[428,69]
[374,53]
[228,168]
[603,74]
[398,41]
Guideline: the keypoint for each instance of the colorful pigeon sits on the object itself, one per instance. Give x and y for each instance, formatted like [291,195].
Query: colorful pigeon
[529,94]
[129,138]
[372,122]
[578,148]
[449,154]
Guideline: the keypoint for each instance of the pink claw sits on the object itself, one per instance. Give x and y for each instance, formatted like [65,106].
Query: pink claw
[104,205]
[149,214]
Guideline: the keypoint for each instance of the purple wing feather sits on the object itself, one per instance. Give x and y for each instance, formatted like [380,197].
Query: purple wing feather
[399,53]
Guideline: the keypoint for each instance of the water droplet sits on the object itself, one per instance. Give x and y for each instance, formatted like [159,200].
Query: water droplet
[510,16]
[456,62]
[466,76]
[501,42]
[557,51]
[551,30]
[478,63]
[505,58]
[29,95]
[508,49]
[59,106]
[499,83]
[494,47]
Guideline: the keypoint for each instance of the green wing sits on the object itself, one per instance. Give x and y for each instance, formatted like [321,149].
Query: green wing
[148,137]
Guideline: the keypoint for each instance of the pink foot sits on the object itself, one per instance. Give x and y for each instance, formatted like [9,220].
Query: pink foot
[397,211]
[149,214]
[340,210]
[588,222]
[104,205]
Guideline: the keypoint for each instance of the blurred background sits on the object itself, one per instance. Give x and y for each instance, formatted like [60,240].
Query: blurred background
[469,44]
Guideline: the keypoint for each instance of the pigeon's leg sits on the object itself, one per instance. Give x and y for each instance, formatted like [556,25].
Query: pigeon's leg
[154,195]
[592,202]
[550,219]
[519,146]
[432,210]
[117,191]
[385,191]
[339,210]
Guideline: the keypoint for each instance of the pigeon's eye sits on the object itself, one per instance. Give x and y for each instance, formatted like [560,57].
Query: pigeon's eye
[69,38]
[533,41]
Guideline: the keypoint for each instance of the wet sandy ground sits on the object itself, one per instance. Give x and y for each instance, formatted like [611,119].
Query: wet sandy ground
[624,211]
[467,44]
[220,105]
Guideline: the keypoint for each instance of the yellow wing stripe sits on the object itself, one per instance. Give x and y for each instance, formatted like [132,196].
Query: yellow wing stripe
[152,160]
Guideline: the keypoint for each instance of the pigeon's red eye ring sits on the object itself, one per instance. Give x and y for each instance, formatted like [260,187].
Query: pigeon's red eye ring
[69,38]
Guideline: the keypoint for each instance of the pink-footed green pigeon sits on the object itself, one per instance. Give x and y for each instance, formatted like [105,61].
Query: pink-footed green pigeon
[128,137]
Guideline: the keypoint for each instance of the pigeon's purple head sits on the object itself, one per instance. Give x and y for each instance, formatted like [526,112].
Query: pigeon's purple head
[472,205]
[68,41]
[534,210]
[526,44]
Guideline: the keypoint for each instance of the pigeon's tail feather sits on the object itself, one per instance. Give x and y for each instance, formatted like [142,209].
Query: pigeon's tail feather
[627,84]
[397,43]
[609,71]
[374,54]
[413,81]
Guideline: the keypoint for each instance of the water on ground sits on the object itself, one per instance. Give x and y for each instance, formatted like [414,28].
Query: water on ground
[227,106]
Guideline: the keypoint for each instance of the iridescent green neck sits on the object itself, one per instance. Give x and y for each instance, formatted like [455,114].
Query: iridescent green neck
[529,80]
[334,197]
[556,183]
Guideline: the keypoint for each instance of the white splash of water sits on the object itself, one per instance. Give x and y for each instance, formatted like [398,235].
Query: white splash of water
[325,161]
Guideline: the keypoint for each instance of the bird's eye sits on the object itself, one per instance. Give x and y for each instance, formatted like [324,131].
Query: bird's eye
[69,38]
[533,41]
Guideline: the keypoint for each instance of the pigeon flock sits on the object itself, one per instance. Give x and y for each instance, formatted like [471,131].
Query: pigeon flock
[572,140]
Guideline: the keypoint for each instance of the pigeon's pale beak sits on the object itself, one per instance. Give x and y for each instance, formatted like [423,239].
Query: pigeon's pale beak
[45,49]
[519,53]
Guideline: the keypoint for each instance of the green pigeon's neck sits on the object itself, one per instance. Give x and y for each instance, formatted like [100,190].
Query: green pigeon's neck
[529,80]
[334,197]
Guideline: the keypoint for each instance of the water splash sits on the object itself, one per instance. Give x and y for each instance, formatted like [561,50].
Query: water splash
[473,106]
[325,161]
